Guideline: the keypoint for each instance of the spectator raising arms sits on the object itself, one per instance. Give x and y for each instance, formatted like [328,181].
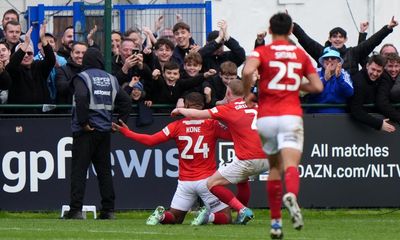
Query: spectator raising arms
[29,78]
[352,56]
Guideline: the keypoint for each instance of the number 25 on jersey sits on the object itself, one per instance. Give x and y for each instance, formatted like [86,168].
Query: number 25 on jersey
[285,71]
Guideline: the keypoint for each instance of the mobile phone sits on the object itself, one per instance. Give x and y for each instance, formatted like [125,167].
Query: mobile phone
[135,51]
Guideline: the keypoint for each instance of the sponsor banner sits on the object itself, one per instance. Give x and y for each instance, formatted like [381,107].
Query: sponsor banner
[344,164]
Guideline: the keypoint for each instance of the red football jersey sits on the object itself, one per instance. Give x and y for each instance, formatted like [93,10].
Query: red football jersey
[196,140]
[241,122]
[282,67]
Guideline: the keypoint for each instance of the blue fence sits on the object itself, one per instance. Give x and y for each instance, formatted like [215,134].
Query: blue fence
[197,15]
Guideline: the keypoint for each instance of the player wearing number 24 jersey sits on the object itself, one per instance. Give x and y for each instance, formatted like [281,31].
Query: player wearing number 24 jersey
[196,140]
[241,121]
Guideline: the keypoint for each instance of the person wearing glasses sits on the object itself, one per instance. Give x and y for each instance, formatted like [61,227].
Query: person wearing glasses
[338,86]
[29,77]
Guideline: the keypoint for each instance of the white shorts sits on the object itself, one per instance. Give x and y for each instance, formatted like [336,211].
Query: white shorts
[240,170]
[281,132]
[187,192]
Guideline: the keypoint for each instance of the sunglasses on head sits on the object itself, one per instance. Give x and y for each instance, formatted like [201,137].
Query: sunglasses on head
[29,53]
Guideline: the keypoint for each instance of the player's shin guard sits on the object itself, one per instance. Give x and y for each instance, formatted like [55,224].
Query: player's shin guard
[274,190]
[292,180]
[227,197]
[169,218]
[243,192]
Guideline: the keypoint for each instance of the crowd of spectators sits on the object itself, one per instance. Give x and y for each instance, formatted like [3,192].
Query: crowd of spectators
[162,65]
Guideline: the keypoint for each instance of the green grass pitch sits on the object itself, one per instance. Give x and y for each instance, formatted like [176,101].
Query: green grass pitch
[339,224]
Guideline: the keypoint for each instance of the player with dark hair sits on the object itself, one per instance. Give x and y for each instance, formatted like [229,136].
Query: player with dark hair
[251,159]
[196,141]
[281,66]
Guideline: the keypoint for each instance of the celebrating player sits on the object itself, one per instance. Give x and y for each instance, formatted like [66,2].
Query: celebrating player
[281,66]
[196,140]
[251,160]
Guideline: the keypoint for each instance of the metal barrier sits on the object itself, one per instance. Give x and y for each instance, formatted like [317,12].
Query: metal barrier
[83,17]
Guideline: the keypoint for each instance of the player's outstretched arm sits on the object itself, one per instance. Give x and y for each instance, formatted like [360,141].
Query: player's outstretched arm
[191,113]
[314,84]
[116,127]
[149,140]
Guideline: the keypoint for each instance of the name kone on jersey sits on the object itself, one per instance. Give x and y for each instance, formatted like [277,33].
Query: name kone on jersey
[191,129]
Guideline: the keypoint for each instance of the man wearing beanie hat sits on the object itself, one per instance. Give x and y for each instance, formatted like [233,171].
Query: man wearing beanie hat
[338,86]
[96,94]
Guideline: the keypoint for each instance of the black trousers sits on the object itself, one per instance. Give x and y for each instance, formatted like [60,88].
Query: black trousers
[91,147]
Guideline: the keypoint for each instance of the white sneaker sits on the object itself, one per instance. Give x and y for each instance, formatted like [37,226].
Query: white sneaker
[156,217]
[202,217]
[290,202]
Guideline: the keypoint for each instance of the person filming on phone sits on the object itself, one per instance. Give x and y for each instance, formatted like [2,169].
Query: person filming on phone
[130,63]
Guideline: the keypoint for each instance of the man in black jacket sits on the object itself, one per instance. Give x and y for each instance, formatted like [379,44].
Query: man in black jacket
[66,73]
[365,86]
[129,63]
[96,93]
[389,88]
[352,56]
[29,78]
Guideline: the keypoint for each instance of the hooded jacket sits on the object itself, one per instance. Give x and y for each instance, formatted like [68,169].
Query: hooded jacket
[100,119]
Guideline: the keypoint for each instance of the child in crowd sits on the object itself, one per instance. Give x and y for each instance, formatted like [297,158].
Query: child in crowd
[169,87]
[192,66]
[215,88]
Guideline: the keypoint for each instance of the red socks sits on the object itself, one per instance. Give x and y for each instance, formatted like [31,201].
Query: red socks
[243,192]
[169,218]
[274,190]
[292,180]
[220,218]
[226,196]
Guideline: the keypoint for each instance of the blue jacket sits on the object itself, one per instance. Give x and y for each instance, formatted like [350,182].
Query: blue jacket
[336,90]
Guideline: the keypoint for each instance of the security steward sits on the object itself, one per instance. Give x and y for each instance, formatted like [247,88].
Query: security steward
[96,95]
